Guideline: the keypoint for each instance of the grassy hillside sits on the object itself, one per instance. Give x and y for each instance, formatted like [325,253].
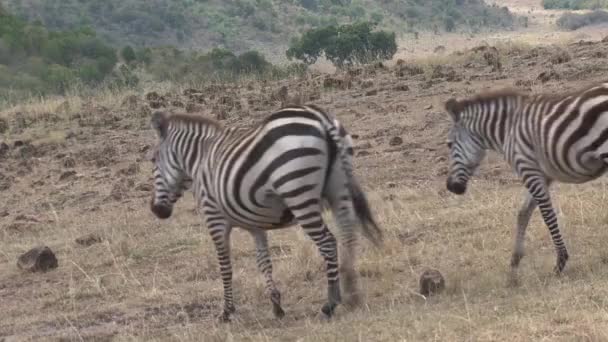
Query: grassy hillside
[244,24]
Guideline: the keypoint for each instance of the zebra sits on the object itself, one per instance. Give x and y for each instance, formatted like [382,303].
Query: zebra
[544,138]
[283,171]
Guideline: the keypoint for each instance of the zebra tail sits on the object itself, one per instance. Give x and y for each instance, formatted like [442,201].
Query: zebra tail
[370,228]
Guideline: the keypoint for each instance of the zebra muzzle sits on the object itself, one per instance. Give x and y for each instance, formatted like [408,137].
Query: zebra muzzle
[456,187]
[161,211]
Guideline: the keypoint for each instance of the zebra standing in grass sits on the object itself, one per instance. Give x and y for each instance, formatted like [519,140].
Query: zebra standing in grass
[274,175]
[545,138]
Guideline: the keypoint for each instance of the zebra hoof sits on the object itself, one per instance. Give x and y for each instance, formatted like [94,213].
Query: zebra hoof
[278,311]
[328,309]
[224,317]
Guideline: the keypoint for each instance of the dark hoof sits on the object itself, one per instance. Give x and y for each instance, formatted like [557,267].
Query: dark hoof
[562,258]
[278,311]
[224,317]
[328,309]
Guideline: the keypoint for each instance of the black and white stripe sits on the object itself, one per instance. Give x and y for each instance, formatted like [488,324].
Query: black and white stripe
[277,174]
[545,138]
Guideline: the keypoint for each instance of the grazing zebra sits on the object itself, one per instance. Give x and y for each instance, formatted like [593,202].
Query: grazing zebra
[272,176]
[545,138]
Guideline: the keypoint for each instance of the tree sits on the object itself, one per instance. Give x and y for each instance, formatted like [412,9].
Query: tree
[128,54]
[344,45]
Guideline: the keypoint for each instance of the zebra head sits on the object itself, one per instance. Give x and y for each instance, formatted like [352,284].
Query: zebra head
[466,149]
[170,180]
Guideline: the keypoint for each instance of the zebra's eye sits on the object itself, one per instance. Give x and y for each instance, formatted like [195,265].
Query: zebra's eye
[450,144]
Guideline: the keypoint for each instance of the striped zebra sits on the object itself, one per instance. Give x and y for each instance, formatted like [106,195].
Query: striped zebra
[279,173]
[545,138]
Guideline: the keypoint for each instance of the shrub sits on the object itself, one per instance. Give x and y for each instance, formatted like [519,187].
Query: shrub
[575,4]
[344,45]
[128,54]
[573,21]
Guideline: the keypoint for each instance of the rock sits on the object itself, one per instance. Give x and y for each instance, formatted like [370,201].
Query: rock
[3,149]
[401,87]
[144,187]
[431,282]
[67,175]
[391,185]
[69,163]
[367,84]
[88,240]
[38,259]
[428,107]
[605,40]
[395,141]
[372,92]
[3,125]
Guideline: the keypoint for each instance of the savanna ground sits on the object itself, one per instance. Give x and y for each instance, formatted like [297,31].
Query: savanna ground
[75,166]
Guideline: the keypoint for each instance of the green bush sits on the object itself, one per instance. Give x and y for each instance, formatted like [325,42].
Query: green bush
[37,60]
[344,45]
[573,21]
[575,4]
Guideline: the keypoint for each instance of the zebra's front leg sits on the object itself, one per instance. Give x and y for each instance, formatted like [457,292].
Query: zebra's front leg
[539,189]
[220,233]
[523,219]
[264,264]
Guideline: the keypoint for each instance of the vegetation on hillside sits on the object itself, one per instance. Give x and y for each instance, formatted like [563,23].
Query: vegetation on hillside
[37,60]
[575,4]
[574,21]
[240,25]
[344,45]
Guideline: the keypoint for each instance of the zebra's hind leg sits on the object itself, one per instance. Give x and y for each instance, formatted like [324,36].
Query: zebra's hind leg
[308,215]
[343,210]
[264,263]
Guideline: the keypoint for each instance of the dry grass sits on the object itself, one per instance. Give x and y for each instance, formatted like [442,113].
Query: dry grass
[158,281]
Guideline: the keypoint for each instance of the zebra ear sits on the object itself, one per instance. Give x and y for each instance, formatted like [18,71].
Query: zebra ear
[453,107]
[159,123]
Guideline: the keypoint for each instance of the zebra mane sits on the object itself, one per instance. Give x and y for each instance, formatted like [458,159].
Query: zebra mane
[196,119]
[455,107]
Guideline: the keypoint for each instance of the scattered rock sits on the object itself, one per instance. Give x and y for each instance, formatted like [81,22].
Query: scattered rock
[38,259]
[391,185]
[130,170]
[3,149]
[372,92]
[560,56]
[403,70]
[144,187]
[69,163]
[431,282]
[3,125]
[548,75]
[605,40]
[367,84]
[401,87]
[333,82]
[88,240]
[395,141]
[428,107]
[363,153]
[67,175]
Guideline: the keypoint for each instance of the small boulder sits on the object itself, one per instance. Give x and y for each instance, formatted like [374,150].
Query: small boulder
[88,240]
[395,141]
[38,259]
[431,282]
